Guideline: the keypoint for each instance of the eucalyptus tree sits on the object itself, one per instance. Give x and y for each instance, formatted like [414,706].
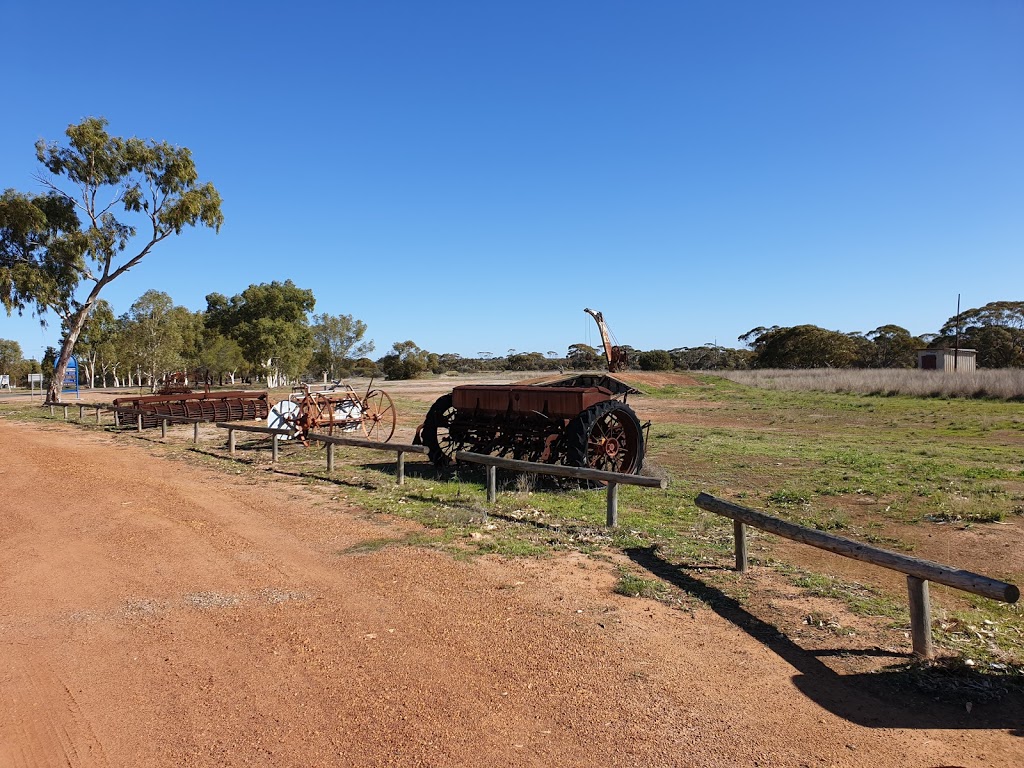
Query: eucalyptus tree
[995,330]
[155,335]
[271,325]
[405,361]
[51,243]
[337,342]
[10,358]
[802,346]
[221,356]
[95,342]
[582,357]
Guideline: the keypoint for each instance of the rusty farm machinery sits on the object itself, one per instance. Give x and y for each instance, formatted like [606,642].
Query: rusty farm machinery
[209,406]
[336,410]
[580,421]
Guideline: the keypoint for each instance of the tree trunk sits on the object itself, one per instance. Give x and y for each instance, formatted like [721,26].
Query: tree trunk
[75,326]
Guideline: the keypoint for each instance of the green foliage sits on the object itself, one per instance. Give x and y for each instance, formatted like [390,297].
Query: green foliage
[220,355]
[10,355]
[656,360]
[527,361]
[803,346]
[631,585]
[154,335]
[406,361]
[582,357]
[51,243]
[995,330]
[892,347]
[337,339]
[42,252]
[269,323]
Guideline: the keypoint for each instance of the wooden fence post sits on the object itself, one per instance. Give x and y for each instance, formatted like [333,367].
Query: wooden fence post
[492,483]
[195,432]
[920,617]
[65,413]
[401,467]
[51,410]
[231,441]
[273,448]
[163,428]
[140,422]
[739,533]
[98,411]
[613,505]
[330,458]
[81,411]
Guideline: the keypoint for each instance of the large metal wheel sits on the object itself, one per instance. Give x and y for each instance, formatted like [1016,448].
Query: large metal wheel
[436,433]
[606,436]
[378,416]
[285,415]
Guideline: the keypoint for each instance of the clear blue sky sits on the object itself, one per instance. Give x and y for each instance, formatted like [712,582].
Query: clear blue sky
[471,175]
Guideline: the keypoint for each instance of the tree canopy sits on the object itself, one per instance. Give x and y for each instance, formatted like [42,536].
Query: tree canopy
[52,242]
[269,322]
[337,342]
[995,330]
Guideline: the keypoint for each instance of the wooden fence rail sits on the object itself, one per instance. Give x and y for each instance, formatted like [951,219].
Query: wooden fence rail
[162,418]
[399,448]
[275,434]
[613,479]
[919,572]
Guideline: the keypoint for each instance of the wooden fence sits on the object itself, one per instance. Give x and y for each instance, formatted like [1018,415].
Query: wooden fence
[400,449]
[919,572]
[613,479]
[276,434]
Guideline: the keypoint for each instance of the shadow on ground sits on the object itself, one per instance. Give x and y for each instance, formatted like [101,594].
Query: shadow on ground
[903,696]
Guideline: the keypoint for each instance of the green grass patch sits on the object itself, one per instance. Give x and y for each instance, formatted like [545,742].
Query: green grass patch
[631,585]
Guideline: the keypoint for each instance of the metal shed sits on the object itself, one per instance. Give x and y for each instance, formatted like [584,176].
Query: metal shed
[949,360]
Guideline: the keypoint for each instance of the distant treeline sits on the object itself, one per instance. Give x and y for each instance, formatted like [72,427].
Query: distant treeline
[269,332]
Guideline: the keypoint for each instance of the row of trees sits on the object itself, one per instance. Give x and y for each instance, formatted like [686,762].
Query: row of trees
[995,331]
[270,332]
[265,332]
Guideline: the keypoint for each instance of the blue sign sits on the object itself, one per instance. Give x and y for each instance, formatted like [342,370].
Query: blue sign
[70,376]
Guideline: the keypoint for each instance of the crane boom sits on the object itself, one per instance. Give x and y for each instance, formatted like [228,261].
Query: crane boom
[617,358]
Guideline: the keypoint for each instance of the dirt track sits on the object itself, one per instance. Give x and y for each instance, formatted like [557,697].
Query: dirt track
[154,613]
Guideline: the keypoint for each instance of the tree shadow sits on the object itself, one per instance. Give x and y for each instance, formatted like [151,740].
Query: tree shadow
[904,696]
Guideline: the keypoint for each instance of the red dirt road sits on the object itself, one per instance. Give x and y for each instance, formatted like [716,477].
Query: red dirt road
[156,613]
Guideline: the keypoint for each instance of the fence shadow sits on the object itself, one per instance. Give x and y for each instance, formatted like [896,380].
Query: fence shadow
[889,699]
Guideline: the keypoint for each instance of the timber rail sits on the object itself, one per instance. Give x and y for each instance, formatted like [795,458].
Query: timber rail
[233,426]
[356,442]
[919,572]
[613,479]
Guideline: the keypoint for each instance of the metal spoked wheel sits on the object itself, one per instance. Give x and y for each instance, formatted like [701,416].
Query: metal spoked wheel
[284,415]
[606,436]
[437,434]
[379,416]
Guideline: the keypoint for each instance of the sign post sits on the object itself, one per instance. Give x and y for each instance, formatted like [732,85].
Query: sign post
[33,379]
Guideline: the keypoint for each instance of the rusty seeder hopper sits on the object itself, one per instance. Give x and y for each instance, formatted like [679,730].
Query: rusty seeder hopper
[576,426]
[580,421]
[237,405]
